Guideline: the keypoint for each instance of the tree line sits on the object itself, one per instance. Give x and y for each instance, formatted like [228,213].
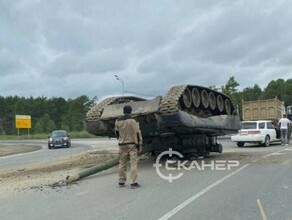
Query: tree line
[280,88]
[48,114]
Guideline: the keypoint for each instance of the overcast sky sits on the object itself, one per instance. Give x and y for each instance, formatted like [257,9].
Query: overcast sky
[68,48]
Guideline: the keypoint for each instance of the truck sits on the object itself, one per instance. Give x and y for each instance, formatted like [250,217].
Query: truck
[268,109]
[188,119]
[260,122]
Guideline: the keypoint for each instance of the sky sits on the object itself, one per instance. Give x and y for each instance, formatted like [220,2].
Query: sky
[69,48]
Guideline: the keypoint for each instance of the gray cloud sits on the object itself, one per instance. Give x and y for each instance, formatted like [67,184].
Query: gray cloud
[71,48]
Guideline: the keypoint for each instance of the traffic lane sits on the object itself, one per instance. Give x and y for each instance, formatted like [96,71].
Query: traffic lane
[43,155]
[98,197]
[99,143]
[230,144]
[78,146]
[266,181]
[246,154]
[47,155]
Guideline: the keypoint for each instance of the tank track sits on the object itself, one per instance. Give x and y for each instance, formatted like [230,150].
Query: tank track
[209,103]
[177,98]
[170,102]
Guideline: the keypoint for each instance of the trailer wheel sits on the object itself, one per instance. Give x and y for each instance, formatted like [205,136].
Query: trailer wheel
[240,144]
[267,141]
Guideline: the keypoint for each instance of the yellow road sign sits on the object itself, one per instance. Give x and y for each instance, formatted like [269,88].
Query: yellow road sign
[23,121]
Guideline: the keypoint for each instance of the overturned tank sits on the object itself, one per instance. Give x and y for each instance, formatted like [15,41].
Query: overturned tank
[188,119]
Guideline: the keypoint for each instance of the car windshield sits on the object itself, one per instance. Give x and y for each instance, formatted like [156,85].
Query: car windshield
[59,134]
[249,125]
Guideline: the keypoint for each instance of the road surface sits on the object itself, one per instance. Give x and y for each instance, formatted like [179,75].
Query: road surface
[259,188]
[46,155]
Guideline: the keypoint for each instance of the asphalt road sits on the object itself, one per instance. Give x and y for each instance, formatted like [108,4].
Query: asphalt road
[44,155]
[259,188]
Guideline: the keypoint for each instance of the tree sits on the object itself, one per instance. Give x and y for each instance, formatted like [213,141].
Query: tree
[57,107]
[230,88]
[64,126]
[1,127]
[75,115]
[275,89]
[288,92]
[51,126]
[47,114]
[39,127]
[251,93]
[213,87]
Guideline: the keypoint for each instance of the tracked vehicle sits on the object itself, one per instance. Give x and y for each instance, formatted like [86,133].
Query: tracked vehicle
[188,119]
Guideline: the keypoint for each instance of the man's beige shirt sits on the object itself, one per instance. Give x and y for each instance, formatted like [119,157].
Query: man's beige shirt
[129,131]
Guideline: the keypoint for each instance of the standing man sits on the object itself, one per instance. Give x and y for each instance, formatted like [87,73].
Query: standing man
[130,143]
[284,124]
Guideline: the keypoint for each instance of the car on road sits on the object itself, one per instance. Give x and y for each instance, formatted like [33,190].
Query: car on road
[59,138]
[262,132]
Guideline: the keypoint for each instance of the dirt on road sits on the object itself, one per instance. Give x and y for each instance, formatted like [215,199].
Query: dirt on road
[10,149]
[49,174]
[53,174]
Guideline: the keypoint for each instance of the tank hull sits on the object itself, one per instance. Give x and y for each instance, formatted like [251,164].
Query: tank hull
[187,117]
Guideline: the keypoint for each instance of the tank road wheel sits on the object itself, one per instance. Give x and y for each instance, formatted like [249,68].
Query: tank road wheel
[196,97]
[240,144]
[220,103]
[267,141]
[212,100]
[228,106]
[205,98]
[187,98]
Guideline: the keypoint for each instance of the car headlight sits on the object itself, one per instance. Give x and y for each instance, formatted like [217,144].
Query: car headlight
[51,139]
[65,138]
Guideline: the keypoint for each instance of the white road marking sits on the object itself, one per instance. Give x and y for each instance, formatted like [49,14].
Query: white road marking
[82,193]
[271,154]
[262,210]
[277,154]
[196,196]
[207,189]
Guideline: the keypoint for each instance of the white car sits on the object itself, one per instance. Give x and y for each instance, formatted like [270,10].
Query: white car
[262,132]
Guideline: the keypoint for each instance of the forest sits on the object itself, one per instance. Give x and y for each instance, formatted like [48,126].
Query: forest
[280,88]
[48,114]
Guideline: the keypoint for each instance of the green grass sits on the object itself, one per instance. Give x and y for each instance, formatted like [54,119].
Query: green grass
[75,134]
